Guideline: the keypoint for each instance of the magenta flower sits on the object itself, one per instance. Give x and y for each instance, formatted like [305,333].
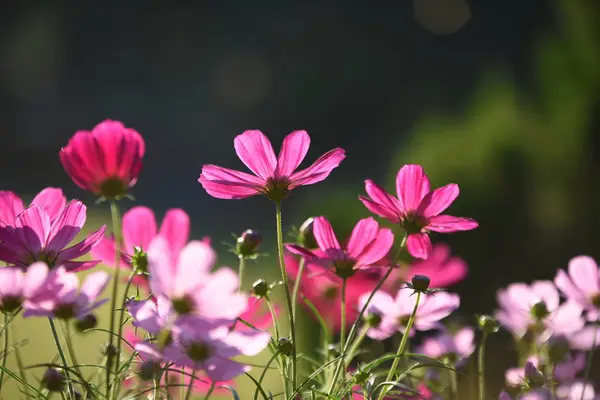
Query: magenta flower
[70,300]
[23,288]
[273,176]
[457,345]
[417,208]
[536,306]
[394,313]
[106,160]
[50,199]
[582,284]
[35,237]
[440,267]
[368,244]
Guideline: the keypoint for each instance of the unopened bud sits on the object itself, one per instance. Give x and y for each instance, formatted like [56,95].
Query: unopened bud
[149,370]
[53,380]
[248,243]
[306,237]
[540,310]
[533,376]
[558,347]
[85,323]
[139,261]
[420,283]
[286,347]
[260,288]
[373,319]
[487,324]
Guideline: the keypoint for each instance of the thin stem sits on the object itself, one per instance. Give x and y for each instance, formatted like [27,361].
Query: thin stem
[401,348]
[116,225]
[241,268]
[301,265]
[286,287]
[67,335]
[281,358]
[62,358]
[4,350]
[590,358]
[273,316]
[480,366]
[356,344]
[210,391]
[18,357]
[120,328]
[189,390]
[453,384]
[343,316]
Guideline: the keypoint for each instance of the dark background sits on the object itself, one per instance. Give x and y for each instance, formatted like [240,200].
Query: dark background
[498,96]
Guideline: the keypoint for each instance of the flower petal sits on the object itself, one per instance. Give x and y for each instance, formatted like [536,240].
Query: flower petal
[83,247]
[585,275]
[161,268]
[34,279]
[293,150]
[449,223]
[438,200]
[67,226]
[379,209]
[256,152]
[363,234]
[105,252]
[419,245]
[52,200]
[248,343]
[32,228]
[564,283]
[10,206]
[94,285]
[411,185]
[224,183]
[319,170]
[377,249]
[139,228]
[175,228]
[195,262]
[219,297]
[324,234]
[383,198]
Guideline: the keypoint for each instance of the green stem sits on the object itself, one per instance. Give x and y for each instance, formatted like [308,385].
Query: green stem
[18,357]
[480,366]
[301,265]
[281,358]
[343,317]
[210,391]
[4,350]
[356,344]
[273,316]
[62,358]
[189,390]
[453,384]
[590,358]
[120,330]
[286,287]
[241,269]
[116,225]
[70,348]
[401,348]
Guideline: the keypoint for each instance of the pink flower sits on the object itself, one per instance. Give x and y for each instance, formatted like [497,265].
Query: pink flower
[578,390]
[440,267]
[105,161]
[537,305]
[417,208]
[70,300]
[367,245]
[256,313]
[456,345]
[395,312]
[35,237]
[23,288]
[273,176]
[582,284]
[50,199]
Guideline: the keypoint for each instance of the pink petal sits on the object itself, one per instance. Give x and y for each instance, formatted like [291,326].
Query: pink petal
[438,200]
[94,285]
[586,338]
[35,278]
[319,170]
[195,262]
[584,272]
[362,235]
[464,341]
[324,234]
[83,247]
[10,206]
[383,198]
[299,250]
[176,228]
[377,249]
[11,281]
[294,149]
[67,226]
[161,268]
[448,223]
[78,266]
[419,245]
[219,298]
[411,185]
[256,152]
[105,252]
[224,369]
[224,183]
[52,200]
[139,228]
[379,210]
[33,227]
[145,315]
[435,308]
[81,160]
[564,283]
[566,319]
[547,292]
[249,343]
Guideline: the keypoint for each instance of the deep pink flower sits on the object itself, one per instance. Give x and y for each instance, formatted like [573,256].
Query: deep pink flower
[440,267]
[582,284]
[35,237]
[106,160]
[457,345]
[273,176]
[395,312]
[23,288]
[70,300]
[537,305]
[417,208]
[367,245]
[50,199]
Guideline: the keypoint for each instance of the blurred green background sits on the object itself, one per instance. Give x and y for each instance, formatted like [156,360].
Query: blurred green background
[501,97]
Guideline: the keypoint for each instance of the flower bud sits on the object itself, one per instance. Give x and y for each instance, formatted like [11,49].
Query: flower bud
[85,323]
[361,377]
[306,237]
[487,324]
[53,380]
[260,288]
[420,283]
[149,370]
[558,347]
[373,320]
[286,347]
[248,243]
[139,260]
[533,376]
[539,310]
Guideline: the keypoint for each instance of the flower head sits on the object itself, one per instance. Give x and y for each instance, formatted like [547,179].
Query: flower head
[50,199]
[368,244]
[106,160]
[273,176]
[458,346]
[23,288]
[417,208]
[582,284]
[36,237]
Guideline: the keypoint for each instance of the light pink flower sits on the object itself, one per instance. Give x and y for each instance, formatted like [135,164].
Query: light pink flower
[440,267]
[583,339]
[23,288]
[458,345]
[50,199]
[70,300]
[395,312]
[35,237]
[417,208]
[578,390]
[581,284]
[367,245]
[106,160]
[273,176]
[517,304]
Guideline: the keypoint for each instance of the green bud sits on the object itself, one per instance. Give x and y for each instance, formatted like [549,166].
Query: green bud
[487,324]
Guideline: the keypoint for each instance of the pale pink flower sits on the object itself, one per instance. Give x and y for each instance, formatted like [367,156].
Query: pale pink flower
[35,237]
[582,284]
[440,267]
[583,339]
[578,390]
[23,288]
[367,245]
[106,160]
[395,312]
[50,199]
[273,176]
[457,345]
[417,208]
